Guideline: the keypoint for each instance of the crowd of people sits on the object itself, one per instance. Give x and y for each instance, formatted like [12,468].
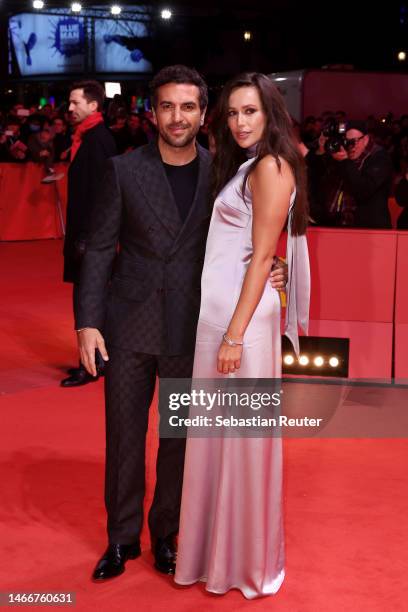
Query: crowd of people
[44,135]
[341,194]
[354,167]
[389,132]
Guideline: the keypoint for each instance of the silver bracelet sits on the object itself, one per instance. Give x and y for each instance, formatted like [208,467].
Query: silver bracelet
[230,342]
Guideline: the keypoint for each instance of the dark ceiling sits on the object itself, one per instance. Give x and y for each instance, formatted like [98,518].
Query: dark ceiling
[286,34]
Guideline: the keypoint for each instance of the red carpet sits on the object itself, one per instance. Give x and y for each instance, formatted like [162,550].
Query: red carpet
[346,501]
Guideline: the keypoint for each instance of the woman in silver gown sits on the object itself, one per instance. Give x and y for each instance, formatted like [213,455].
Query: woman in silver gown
[231,529]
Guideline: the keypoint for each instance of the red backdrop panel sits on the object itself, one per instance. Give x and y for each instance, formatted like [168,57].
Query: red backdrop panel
[401,309]
[353,274]
[401,352]
[401,294]
[353,280]
[370,345]
[27,207]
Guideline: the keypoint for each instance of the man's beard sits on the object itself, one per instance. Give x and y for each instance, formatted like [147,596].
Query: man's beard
[184,142]
[74,120]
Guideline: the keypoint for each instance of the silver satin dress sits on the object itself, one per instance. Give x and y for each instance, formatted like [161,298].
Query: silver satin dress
[231,527]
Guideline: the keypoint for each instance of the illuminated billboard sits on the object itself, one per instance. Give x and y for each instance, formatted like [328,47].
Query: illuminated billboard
[122,46]
[48,44]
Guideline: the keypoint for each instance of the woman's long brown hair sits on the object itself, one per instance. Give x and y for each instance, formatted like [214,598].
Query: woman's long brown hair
[277,140]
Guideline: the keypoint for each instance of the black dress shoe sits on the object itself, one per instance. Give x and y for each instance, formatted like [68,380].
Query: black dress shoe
[112,563]
[165,554]
[100,370]
[78,378]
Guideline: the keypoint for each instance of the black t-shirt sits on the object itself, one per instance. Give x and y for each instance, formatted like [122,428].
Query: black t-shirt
[183,182]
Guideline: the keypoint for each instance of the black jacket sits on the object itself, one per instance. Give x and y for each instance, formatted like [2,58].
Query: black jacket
[146,297]
[401,196]
[84,177]
[370,188]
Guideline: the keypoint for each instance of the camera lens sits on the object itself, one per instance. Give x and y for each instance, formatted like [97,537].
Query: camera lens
[333,145]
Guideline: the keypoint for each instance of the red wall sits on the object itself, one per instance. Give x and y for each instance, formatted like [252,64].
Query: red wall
[354,276]
[401,309]
[27,207]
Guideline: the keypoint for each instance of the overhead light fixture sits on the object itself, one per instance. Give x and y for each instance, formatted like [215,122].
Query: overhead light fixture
[76,7]
[247,35]
[402,56]
[116,10]
[38,4]
[304,360]
[334,362]
[166,14]
[112,89]
[318,361]
[288,359]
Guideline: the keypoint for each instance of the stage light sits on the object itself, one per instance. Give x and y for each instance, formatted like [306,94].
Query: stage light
[166,14]
[247,35]
[38,4]
[402,56]
[76,7]
[116,10]
[318,356]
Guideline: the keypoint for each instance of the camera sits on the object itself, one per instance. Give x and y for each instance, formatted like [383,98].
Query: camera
[335,133]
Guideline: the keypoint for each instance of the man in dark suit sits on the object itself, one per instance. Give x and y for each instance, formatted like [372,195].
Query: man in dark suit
[92,145]
[155,204]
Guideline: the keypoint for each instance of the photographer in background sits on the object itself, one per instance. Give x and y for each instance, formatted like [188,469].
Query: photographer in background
[62,139]
[41,148]
[350,178]
[12,148]
[137,137]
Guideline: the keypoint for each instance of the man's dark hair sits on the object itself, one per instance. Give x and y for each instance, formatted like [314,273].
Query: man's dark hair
[182,75]
[93,92]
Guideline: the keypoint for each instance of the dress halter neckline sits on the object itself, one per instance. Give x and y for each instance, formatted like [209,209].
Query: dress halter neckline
[251,151]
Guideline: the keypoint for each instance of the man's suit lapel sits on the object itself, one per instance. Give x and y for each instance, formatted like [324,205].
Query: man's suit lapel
[152,180]
[201,206]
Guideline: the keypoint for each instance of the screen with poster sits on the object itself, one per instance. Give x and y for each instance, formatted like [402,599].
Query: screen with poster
[48,44]
[122,46]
